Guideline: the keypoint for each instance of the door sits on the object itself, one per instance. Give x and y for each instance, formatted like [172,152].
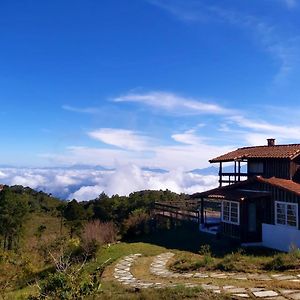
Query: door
[253,231]
[252,227]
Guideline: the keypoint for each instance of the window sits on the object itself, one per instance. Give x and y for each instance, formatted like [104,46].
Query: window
[256,167]
[286,214]
[226,211]
[231,212]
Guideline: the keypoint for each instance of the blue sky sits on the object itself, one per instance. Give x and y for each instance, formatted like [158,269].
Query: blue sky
[156,83]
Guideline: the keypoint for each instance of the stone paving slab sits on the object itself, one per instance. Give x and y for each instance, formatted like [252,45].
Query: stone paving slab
[159,268]
[264,294]
[295,296]
[242,295]
[122,273]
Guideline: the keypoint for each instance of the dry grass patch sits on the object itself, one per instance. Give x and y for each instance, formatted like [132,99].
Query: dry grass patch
[242,261]
[111,290]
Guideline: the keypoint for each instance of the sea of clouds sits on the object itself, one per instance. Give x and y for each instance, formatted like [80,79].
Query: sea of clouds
[87,183]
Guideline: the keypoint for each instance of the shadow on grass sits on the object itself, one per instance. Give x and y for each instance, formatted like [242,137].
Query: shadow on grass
[189,238]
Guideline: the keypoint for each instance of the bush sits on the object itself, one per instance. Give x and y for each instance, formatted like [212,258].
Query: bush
[278,263]
[285,261]
[205,251]
[136,224]
[95,234]
[233,262]
[186,263]
[294,252]
[67,286]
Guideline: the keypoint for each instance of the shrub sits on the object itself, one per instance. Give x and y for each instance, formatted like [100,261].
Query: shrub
[190,263]
[294,252]
[277,263]
[205,251]
[136,224]
[95,234]
[67,286]
[284,261]
[233,262]
[186,263]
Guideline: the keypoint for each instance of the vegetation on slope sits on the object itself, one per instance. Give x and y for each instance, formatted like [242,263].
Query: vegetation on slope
[51,249]
[47,243]
[251,260]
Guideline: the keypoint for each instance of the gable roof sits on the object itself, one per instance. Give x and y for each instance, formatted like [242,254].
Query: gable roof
[231,192]
[236,191]
[290,151]
[285,184]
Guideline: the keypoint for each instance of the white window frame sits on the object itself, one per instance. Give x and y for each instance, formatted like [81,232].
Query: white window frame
[230,217]
[286,217]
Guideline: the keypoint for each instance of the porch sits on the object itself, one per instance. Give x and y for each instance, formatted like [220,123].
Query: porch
[242,212]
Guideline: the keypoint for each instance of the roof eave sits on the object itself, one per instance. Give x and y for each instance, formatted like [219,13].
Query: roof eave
[261,179]
[297,154]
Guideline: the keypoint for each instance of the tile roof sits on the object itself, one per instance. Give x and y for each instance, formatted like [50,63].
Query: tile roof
[285,184]
[237,194]
[290,151]
[236,191]
[232,192]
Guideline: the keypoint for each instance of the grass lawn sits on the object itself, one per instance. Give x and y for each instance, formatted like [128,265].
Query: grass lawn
[111,290]
[189,238]
[185,243]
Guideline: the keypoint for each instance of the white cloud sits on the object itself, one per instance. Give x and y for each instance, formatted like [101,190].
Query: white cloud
[90,156]
[85,110]
[282,48]
[178,8]
[29,179]
[260,130]
[173,103]
[129,178]
[2,175]
[188,137]
[86,193]
[185,155]
[290,3]
[126,139]
[86,184]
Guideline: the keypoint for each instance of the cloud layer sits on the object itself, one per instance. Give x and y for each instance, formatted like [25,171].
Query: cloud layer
[87,184]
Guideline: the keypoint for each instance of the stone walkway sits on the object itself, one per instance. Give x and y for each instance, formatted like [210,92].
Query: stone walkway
[123,274]
[159,268]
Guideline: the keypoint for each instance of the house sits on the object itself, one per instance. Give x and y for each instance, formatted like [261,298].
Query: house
[262,204]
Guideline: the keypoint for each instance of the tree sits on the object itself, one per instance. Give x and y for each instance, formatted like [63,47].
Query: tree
[74,214]
[74,211]
[13,212]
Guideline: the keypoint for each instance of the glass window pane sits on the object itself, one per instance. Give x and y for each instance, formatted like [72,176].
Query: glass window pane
[281,213]
[234,219]
[286,214]
[226,207]
[230,211]
[292,215]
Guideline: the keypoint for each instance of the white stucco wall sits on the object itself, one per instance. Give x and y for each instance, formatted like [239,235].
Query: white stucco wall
[280,237]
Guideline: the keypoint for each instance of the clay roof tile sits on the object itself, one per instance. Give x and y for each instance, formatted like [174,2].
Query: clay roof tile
[290,151]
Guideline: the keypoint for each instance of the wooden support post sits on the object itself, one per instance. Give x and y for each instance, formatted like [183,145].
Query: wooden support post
[220,175]
[202,210]
[234,171]
[239,166]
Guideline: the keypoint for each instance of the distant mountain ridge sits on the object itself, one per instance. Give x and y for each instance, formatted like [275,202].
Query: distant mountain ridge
[212,170]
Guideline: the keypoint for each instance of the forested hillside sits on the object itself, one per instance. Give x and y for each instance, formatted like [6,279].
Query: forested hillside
[44,239]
